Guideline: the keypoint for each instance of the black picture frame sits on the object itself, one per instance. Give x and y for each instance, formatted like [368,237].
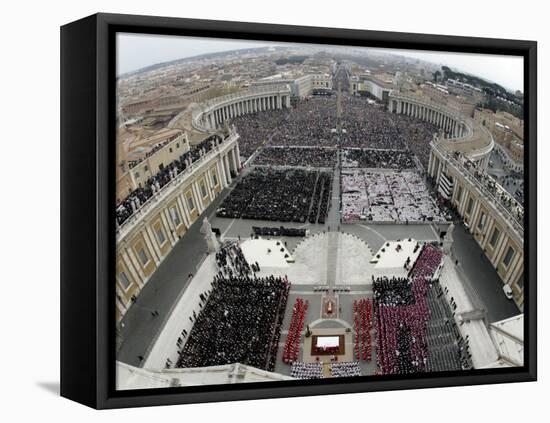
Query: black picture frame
[87,215]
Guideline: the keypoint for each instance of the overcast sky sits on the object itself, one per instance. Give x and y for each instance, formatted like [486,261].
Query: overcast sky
[135,51]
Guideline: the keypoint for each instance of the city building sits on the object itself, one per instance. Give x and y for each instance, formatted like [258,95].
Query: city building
[146,238]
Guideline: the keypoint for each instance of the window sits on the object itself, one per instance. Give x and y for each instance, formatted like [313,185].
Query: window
[470,206]
[520,281]
[494,237]
[203,190]
[459,195]
[509,256]
[136,175]
[190,203]
[145,168]
[481,221]
[177,145]
[160,235]
[124,281]
[214,179]
[143,256]
[171,149]
[175,216]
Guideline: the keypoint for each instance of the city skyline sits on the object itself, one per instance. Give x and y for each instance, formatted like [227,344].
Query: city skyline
[506,71]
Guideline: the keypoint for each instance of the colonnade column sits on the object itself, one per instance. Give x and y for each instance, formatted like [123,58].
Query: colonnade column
[430,163]
[227,171]
[221,173]
[238,155]
[234,160]
[438,174]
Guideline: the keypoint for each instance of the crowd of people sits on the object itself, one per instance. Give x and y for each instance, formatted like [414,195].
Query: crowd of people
[402,315]
[301,370]
[363,312]
[240,323]
[127,207]
[427,263]
[312,123]
[401,332]
[511,180]
[514,183]
[386,197]
[379,159]
[502,196]
[292,344]
[256,129]
[321,198]
[420,135]
[367,125]
[345,369]
[280,231]
[393,291]
[296,156]
[153,150]
[231,262]
[286,195]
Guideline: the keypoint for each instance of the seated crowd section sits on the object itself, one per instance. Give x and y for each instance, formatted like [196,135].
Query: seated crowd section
[231,261]
[313,122]
[363,313]
[280,231]
[296,156]
[379,159]
[293,195]
[292,345]
[414,325]
[241,320]
[310,123]
[301,370]
[127,207]
[257,128]
[401,317]
[386,196]
[345,369]
[369,125]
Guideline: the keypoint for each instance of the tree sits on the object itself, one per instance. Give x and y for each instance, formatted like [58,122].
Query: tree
[447,72]
[437,74]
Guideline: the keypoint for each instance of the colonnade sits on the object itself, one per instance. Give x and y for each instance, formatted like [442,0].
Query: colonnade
[440,118]
[146,239]
[229,164]
[238,106]
[497,231]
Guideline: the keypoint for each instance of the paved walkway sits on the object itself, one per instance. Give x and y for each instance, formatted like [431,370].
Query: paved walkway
[138,328]
[332,257]
[482,277]
[481,346]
